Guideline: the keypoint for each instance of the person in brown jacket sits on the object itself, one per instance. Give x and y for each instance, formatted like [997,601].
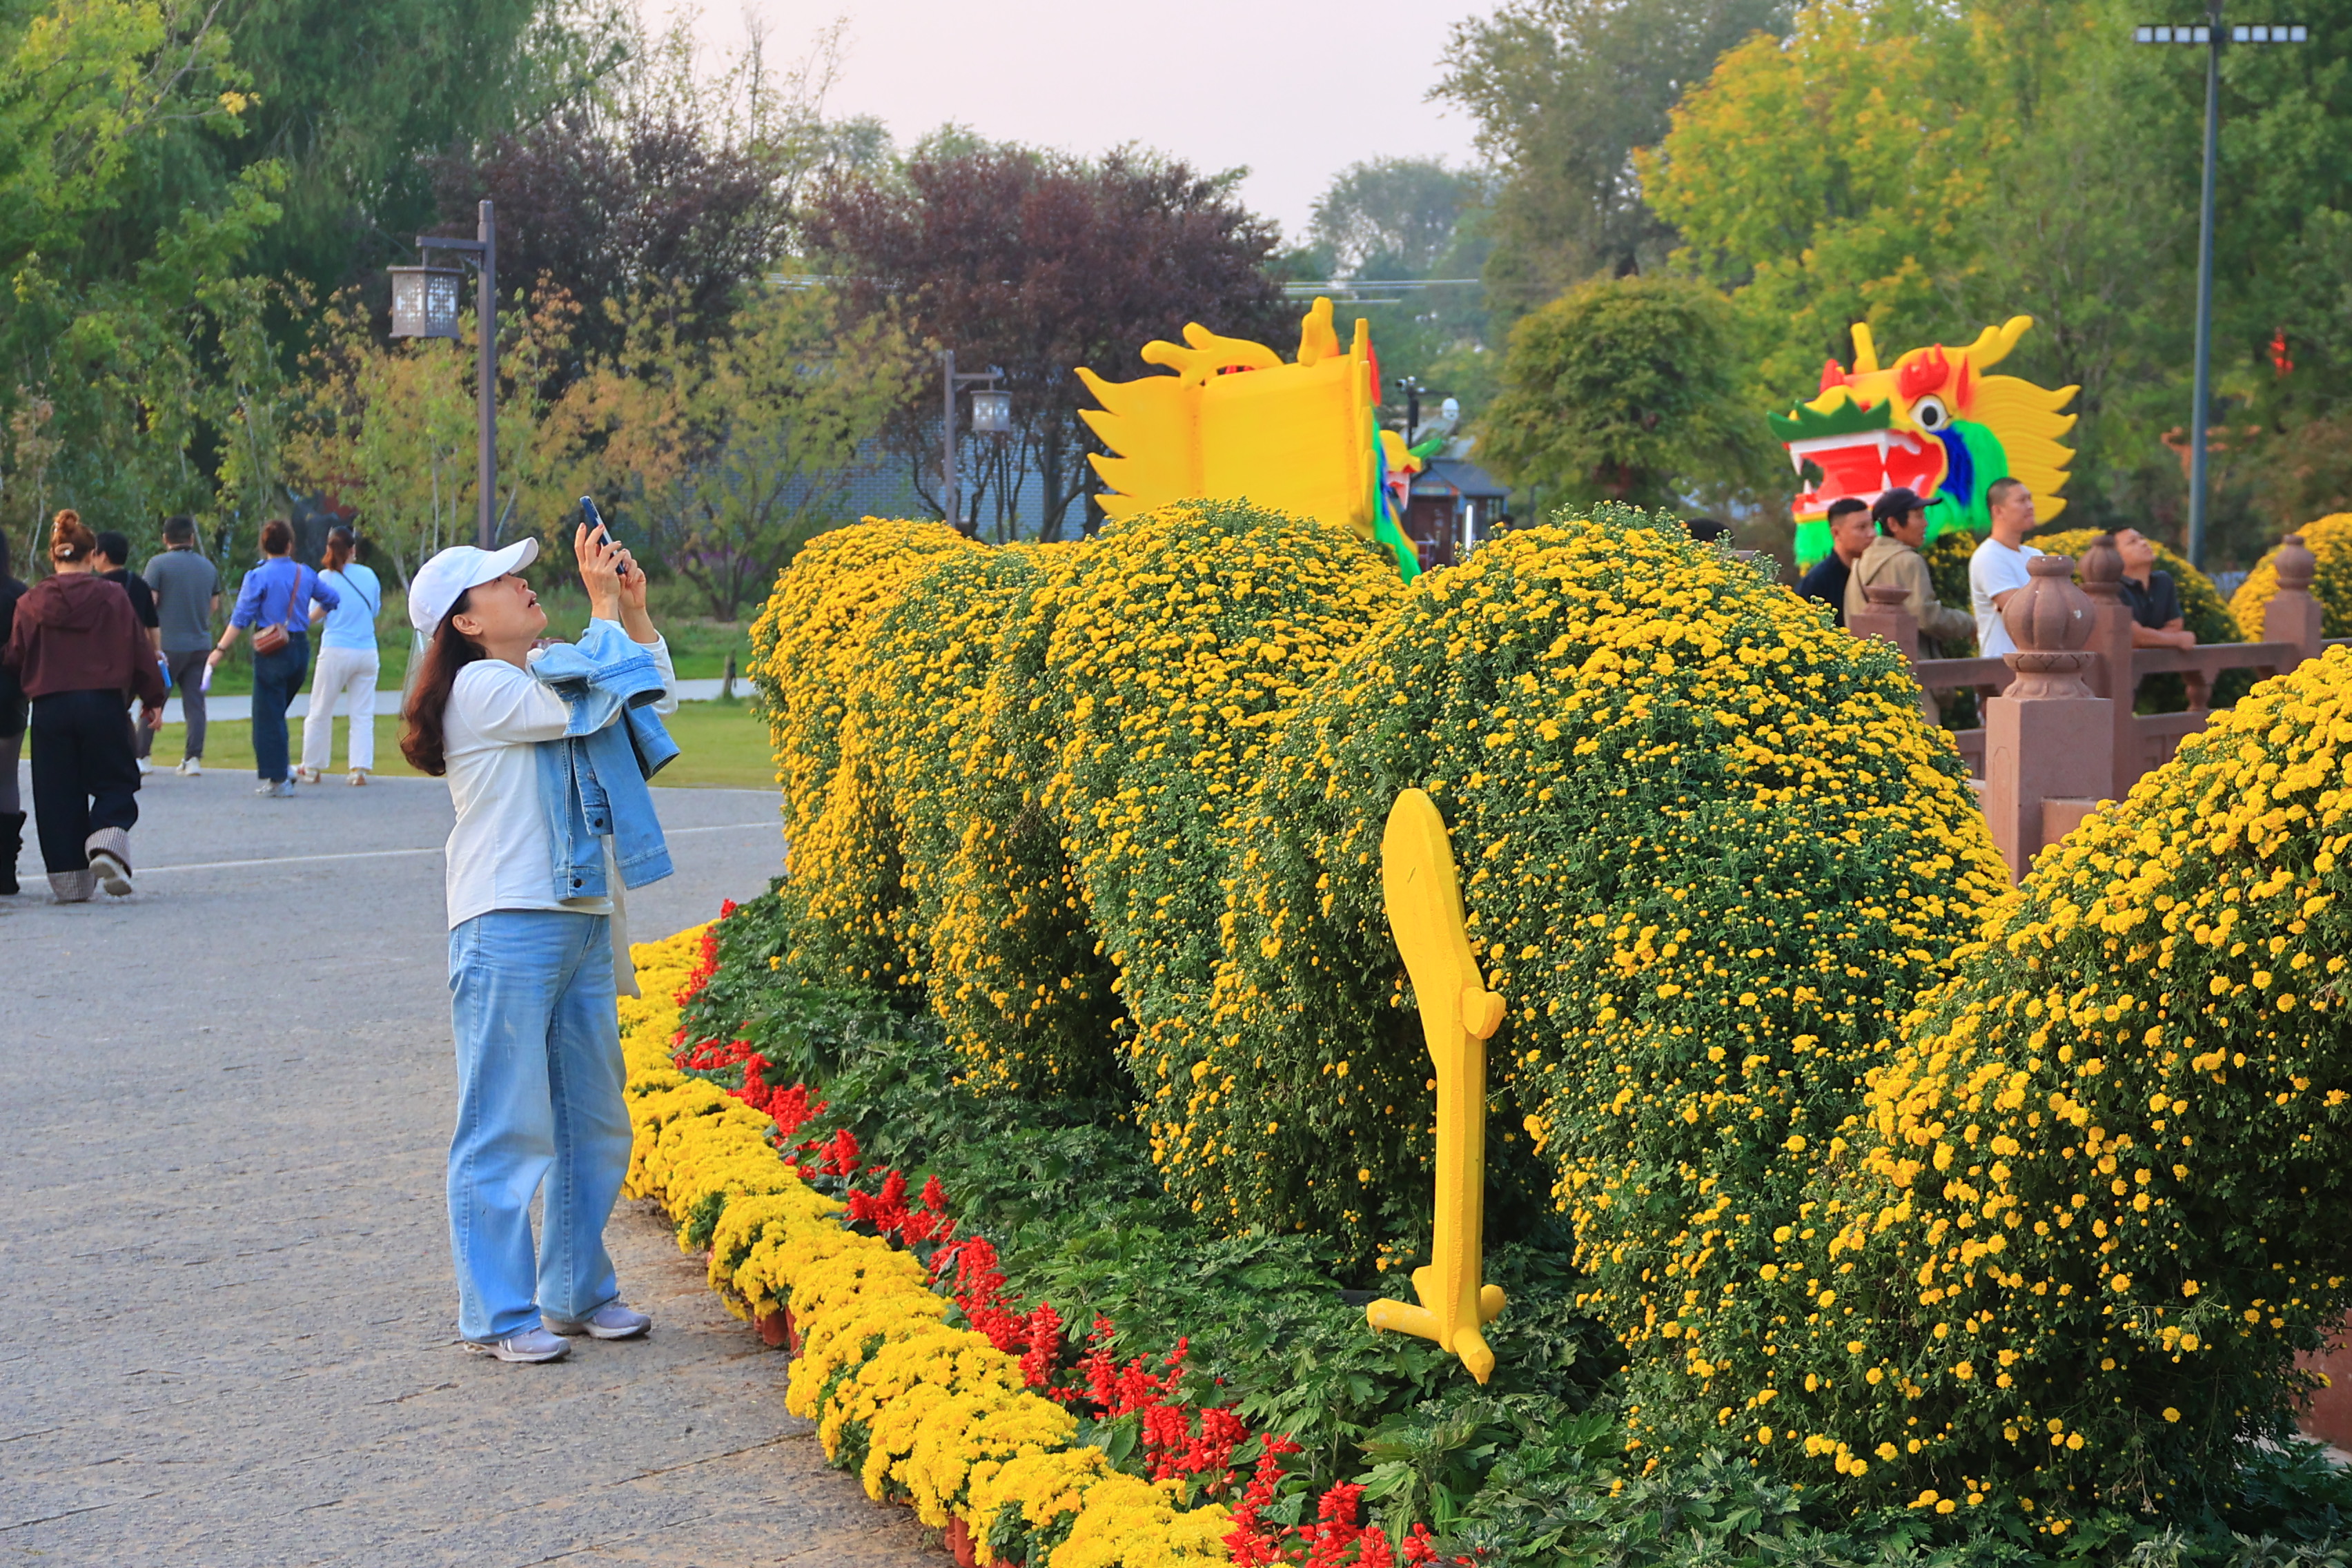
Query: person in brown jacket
[79,653]
[1893,561]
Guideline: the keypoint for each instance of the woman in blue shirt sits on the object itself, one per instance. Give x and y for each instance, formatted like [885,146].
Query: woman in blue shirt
[274,601]
[347,663]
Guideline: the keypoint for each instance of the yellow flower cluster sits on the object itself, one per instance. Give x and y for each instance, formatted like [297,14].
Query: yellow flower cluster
[808,642]
[931,1415]
[2075,1235]
[2330,540]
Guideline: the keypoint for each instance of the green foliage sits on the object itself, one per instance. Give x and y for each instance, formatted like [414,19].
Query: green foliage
[740,449]
[2037,160]
[1624,390]
[1562,93]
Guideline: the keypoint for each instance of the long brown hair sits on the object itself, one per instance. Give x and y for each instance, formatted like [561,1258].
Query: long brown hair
[449,651]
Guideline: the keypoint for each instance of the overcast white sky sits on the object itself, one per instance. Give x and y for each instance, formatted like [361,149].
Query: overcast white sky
[1296,90]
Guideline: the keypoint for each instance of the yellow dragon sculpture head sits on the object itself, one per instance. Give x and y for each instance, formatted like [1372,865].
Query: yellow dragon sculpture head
[1933,421]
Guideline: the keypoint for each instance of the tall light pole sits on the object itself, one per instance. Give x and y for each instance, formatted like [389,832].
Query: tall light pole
[425,305]
[998,408]
[2211,34]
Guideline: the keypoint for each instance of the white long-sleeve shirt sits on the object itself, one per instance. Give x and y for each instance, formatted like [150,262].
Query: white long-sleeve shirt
[502,851]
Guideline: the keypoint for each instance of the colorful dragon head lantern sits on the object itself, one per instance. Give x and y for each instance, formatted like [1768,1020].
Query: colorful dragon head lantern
[1932,421]
[1236,423]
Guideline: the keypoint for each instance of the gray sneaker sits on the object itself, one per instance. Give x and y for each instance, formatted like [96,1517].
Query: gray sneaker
[283,789]
[108,851]
[611,1321]
[530,1345]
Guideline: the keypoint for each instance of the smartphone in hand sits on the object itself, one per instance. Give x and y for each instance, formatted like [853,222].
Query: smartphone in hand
[595,522]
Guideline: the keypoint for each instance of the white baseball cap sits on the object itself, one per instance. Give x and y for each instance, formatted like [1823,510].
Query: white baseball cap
[440,581]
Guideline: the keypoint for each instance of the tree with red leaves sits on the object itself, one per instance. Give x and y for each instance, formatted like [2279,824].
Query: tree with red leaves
[1033,263]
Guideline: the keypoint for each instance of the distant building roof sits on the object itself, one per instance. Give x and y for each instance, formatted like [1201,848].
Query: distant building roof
[1451,477]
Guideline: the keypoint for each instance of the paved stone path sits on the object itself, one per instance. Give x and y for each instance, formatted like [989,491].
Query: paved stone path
[227,1322]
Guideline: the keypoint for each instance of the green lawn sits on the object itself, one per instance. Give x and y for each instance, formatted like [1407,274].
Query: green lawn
[721,746]
[699,647]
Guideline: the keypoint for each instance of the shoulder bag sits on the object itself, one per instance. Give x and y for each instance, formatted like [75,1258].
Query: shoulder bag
[274,636]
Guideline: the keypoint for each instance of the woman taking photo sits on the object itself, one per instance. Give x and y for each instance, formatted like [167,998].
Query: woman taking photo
[79,651]
[532,956]
[274,601]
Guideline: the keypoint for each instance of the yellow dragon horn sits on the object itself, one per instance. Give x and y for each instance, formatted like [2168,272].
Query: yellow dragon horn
[1865,351]
[1992,344]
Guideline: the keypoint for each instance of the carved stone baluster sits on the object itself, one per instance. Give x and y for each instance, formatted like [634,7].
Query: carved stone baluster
[2110,674]
[1888,618]
[2292,615]
[2048,752]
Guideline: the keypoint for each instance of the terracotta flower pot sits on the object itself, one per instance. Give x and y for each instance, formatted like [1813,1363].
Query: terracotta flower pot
[960,1542]
[772,1328]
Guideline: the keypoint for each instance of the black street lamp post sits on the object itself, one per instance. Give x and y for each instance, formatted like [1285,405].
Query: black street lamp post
[2211,34]
[425,305]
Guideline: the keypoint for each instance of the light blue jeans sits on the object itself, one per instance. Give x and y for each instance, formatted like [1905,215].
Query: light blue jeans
[538,1102]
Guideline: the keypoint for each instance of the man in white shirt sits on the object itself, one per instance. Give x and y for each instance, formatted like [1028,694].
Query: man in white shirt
[1997,569]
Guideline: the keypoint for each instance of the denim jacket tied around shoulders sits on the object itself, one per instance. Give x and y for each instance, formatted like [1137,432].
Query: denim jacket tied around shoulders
[592,782]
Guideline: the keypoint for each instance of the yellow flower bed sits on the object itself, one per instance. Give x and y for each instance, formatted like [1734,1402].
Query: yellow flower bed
[932,1415]
[2330,539]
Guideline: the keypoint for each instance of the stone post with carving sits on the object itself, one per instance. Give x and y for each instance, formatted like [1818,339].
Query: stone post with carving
[2049,741]
[2110,674]
[2292,615]
[1887,617]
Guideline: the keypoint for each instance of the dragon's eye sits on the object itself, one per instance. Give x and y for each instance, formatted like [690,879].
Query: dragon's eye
[1929,414]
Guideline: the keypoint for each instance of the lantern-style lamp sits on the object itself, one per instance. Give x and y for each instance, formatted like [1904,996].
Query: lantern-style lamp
[425,301]
[992,413]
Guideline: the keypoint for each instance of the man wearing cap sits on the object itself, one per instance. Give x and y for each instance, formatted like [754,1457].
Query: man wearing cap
[1997,569]
[1893,561]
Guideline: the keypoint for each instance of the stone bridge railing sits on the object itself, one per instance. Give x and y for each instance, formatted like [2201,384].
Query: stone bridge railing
[2058,732]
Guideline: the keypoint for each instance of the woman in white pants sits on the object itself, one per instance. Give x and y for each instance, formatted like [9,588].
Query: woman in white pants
[347,663]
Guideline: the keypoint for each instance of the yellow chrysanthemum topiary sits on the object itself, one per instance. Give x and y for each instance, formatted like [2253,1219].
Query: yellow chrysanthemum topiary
[1183,651]
[1018,979]
[2330,539]
[808,642]
[869,867]
[2070,1245]
[1708,853]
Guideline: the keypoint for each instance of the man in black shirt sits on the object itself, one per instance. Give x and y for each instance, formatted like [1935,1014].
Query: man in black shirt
[112,559]
[1850,531]
[2154,597]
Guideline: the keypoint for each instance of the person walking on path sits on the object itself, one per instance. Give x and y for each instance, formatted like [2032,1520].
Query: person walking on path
[79,652]
[12,732]
[347,664]
[533,883]
[275,600]
[187,597]
[113,564]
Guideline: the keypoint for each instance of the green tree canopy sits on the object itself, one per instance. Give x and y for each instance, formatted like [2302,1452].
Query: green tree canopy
[1563,91]
[1623,389]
